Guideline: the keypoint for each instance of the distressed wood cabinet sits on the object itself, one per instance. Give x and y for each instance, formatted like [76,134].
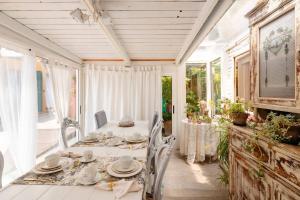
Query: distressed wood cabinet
[275,55]
[262,170]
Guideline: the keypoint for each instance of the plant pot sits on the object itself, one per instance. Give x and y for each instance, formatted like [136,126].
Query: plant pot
[239,119]
[293,134]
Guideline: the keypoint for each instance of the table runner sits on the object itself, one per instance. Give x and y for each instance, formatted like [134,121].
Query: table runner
[69,175]
[110,143]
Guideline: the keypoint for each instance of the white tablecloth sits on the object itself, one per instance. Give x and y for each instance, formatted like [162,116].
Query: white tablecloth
[56,192]
[198,140]
[141,127]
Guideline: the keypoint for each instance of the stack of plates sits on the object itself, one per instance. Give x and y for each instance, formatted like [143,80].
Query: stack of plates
[116,170]
[43,169]
[132,139]
[126,124]
[90,140]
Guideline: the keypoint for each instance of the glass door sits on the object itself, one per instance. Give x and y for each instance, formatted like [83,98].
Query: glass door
[168,108]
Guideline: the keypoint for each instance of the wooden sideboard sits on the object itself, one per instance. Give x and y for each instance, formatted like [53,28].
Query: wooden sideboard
[261,169]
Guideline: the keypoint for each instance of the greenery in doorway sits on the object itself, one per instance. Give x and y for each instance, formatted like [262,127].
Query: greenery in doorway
[167,97]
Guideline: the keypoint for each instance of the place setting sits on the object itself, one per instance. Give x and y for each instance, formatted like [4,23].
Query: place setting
[134,141]
[124,167]
[52,164]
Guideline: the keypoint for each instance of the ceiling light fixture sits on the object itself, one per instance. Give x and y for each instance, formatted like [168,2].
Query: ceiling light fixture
[79,16]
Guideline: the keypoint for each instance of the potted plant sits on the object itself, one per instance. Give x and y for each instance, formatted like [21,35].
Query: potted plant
[238,114]
[281,128]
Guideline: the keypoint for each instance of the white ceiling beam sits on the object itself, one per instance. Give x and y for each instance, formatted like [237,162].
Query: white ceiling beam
[36,38]
[202,17]
[209,16]
[108,32]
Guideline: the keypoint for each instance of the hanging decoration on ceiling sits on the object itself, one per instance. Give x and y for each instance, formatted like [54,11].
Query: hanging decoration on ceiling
[79,16]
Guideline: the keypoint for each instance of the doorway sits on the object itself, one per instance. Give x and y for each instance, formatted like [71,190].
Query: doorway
[168,108]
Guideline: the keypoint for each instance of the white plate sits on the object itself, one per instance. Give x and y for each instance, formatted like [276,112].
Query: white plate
[83,181]
[90,141]
[46,167]
[38,170]
[87,161]
[62,162]
[132,140]
[111,172]
[116,166]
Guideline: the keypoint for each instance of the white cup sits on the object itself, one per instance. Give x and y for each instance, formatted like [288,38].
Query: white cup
[90,172]
[52,160]
[125,161]
[137,136]
[109,134]
[88,155]
[93,135]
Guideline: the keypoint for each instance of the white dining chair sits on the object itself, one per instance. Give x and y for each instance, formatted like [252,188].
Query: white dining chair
[154,121]
[162,158]
[1,168]
[101,118]
[68,123]
[152,132]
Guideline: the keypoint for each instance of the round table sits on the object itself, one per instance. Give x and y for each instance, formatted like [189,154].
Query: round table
[198,140]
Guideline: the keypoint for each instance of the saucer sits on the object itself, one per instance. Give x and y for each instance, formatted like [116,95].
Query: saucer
[83,181]
[87,161]
[111,172]
[131,139]
[94,140]
[40,171]
[46,167]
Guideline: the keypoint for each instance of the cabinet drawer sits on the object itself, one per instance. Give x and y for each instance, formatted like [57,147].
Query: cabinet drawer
[288,168]
[248,181]
[283,192]
[256,149]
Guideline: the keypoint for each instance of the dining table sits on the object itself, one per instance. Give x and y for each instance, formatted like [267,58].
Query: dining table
[22,190]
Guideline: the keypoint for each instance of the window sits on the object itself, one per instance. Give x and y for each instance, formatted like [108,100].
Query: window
[242,76]
[196,80]
[196,86]
[216,85]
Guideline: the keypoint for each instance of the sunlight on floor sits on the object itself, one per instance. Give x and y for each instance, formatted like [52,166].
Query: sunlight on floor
[198,173]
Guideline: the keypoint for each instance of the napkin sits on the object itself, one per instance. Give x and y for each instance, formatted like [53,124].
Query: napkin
[69,154]
[120,188]
[133,146]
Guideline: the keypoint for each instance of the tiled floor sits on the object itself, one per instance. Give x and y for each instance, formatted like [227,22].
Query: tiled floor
[193,182]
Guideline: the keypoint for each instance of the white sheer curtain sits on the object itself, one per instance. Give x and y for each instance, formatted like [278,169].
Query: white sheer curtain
[61,80]
[18,107]
[121,91]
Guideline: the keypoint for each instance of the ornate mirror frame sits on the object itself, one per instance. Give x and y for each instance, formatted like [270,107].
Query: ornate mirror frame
[264,13]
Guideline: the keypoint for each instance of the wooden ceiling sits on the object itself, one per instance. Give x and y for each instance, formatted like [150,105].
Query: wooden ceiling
[147,29]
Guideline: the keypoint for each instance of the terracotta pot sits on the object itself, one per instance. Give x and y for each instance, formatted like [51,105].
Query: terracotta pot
[293,134]
[239,119]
